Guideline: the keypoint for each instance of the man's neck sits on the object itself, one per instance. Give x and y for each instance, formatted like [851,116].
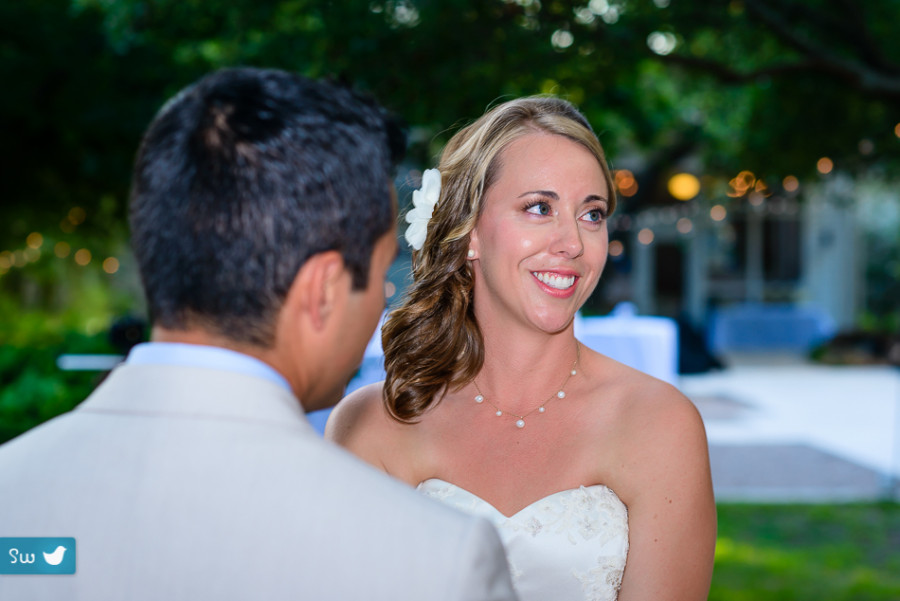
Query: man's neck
[203,337]
[206,338]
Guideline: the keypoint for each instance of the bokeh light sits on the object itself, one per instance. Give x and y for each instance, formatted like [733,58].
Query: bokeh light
[77,215]
[616,248]
[83,257]
[684,186]
[866,147]
[562,39]
[790,183]
[742,183]
[684,225]
[718,213]
[34,240]
[645,236]
[111,265]
[824,165]
[661,42]
[62,249]
[625,182]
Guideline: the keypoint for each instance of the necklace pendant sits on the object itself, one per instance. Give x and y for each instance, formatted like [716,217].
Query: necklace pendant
[520,421]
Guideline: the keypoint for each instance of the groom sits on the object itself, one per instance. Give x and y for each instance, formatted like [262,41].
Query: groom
[263,222]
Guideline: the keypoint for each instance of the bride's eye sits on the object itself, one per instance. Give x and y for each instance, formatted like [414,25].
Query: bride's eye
[594,216]
[539,208]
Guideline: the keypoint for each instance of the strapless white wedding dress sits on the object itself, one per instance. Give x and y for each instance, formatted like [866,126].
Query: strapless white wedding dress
[569,546]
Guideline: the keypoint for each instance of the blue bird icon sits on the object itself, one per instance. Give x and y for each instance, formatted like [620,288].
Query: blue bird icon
[55,558]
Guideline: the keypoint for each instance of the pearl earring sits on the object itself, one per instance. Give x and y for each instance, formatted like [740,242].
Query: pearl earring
[471,254]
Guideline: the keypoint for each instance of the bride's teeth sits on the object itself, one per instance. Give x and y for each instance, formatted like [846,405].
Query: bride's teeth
[555,281]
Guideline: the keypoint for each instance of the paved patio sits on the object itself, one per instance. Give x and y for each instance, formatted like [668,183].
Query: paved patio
[781,429]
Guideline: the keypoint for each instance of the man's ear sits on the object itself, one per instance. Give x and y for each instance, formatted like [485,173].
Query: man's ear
[317,288]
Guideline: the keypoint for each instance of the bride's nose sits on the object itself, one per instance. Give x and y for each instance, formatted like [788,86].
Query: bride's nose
[567,239]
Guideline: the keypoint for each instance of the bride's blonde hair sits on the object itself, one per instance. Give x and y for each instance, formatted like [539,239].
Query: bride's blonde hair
[432,342]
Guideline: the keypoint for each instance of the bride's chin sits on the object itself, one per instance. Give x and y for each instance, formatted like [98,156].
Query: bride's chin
[555,324]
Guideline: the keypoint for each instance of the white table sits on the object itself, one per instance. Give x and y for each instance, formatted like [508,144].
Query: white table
[648,344]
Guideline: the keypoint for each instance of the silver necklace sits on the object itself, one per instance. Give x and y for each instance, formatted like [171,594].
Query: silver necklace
[520,419]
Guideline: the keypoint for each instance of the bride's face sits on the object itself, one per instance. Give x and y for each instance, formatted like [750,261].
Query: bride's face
[541,240]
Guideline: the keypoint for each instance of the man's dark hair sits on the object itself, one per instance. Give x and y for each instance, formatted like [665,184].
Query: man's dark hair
[240,179]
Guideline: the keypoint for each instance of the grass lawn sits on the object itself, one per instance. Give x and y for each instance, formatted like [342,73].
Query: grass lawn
[807,552]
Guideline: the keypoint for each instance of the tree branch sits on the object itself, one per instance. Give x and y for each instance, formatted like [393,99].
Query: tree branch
[857,33]
[863,77]
[726,74]
[818,58]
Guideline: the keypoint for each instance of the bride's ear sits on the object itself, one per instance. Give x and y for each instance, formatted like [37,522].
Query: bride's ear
[317,289]
[474,245]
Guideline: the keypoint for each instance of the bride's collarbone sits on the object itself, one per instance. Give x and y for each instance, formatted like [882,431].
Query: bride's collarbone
[494,457]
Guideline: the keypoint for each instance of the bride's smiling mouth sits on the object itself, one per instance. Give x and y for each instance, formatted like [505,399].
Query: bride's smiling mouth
[555,280]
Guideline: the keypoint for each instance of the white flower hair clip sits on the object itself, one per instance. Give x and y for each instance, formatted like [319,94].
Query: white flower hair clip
[424,201]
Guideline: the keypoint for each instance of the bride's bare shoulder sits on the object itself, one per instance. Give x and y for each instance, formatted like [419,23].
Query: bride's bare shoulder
[361,424]
[357,417]
[642,406]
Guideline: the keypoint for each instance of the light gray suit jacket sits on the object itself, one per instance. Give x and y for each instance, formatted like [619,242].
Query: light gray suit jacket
[192,483]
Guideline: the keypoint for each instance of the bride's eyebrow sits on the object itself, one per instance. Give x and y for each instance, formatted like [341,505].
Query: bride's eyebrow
[594,198]
[548,193]
[554,196]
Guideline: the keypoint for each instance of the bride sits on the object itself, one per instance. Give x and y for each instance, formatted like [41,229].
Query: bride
[596,475]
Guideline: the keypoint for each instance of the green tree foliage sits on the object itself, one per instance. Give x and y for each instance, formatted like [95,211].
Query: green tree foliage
[768,86]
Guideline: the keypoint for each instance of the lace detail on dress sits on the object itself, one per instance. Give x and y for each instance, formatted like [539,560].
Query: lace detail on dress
[569,546]
[603,582]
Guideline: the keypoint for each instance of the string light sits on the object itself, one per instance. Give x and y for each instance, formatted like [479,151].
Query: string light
[625,182]
[866,147]
[83,257]
[111,265]
[645,236]
[684,186]
[684,225]
[741,184]
[34,240]
[77,215]
[755,198]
